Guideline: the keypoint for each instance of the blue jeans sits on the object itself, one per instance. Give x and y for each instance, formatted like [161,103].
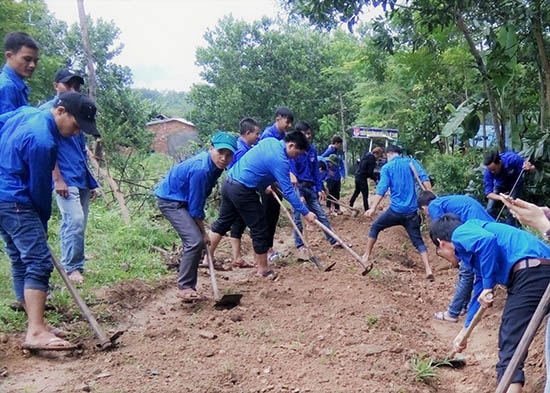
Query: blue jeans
[313,204]
[27,248]
[463,291]
[74,217]
[411,223]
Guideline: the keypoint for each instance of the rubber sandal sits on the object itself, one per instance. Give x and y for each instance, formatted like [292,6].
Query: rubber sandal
[444,316]
[269,275]
[54,344]
[189,295]
[242,264]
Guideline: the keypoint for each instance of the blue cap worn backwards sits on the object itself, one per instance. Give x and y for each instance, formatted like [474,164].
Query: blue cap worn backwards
[224,140]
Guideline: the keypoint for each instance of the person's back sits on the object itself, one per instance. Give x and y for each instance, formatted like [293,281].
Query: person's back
[397,176]
[21,52]
[465,207]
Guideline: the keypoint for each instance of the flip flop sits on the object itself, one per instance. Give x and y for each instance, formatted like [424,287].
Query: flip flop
[269,275]
[242,264]
[53,344]
[444,316]
[189,296]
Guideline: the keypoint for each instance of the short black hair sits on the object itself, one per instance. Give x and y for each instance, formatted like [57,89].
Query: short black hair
[394,149]
[337,139]
[425,197]
[298,138]
[444,227]
[17,39]
[283,111]
[247,124]
[302,126]
[322,165]
[490,157]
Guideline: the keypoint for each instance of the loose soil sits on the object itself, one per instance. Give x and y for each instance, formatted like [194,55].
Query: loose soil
[309,331]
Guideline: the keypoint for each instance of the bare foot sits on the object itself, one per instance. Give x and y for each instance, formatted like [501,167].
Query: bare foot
[76,277]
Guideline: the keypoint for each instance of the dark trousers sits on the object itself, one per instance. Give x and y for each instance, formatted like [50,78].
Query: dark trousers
[271,209]
[411,223]
[241,202]
[525,290]
[361,187]
[333,187]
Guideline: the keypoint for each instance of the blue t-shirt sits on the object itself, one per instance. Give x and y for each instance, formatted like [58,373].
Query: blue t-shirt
[72,158]
[191,181]
[490,250]
[272,132]
[397,176]
[465,207]
[512,164]
[264,165]
[28,150]
[242,148]
[14,92]
[306,168]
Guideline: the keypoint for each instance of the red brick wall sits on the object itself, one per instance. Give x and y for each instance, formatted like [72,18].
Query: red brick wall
[163,129]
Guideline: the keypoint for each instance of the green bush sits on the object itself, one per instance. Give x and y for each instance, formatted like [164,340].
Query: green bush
[458,173]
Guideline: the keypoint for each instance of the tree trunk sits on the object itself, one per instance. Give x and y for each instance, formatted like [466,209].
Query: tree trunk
[87,50]
[482,68]
[544,64]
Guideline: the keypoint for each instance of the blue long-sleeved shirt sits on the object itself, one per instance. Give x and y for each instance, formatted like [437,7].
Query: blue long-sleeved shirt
[28,149]
[72,158]
[465,207]
[490,250]
[512,163]
[306,168]
[242,148]
[341,167]
[398,177]
[264,165]
[14,92]
[191,181]
[272,132]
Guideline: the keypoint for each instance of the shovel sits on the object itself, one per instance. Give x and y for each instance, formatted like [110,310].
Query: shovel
[356,256]
[104,341]
[306,245]
[226,301]
[355,211]
[451,360]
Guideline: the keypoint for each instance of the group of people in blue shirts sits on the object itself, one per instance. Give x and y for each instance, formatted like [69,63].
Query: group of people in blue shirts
[279,160]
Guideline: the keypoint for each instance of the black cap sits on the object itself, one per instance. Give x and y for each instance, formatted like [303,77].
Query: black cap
[66,74]
[82,108]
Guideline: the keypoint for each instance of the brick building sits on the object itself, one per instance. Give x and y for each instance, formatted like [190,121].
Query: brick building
[172,135]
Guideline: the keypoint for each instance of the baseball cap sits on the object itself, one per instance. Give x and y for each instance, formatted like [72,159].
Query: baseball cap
[66,74]
[224,140]
[82,108]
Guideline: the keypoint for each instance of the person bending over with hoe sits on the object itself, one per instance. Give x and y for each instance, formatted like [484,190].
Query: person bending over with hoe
[466,208]
[497,254]
[181,198]
[265,164]
[398,177]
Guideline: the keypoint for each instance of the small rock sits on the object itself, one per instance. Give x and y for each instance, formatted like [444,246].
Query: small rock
[236,317]
[207,334]
[84,388]
[4,338]
[267,370]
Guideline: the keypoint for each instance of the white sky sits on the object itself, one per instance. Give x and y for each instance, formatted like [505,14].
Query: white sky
[160,36]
